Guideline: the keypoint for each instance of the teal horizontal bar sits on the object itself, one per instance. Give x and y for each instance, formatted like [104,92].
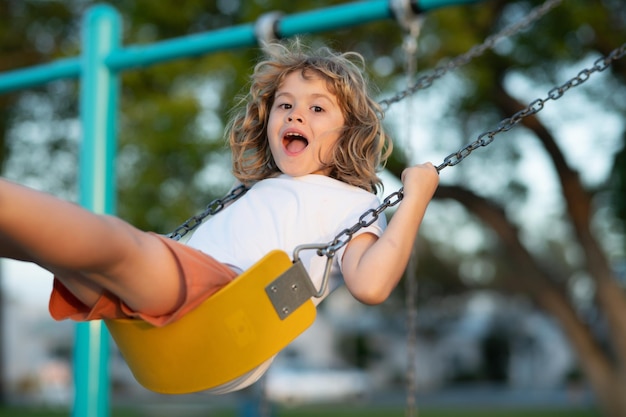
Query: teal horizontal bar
[193,45]
[335,17]
[327,19]
[427,5]
[40,74]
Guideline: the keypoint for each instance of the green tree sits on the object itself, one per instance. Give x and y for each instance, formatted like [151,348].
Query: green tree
[172,117]
[536,262]
[172,158]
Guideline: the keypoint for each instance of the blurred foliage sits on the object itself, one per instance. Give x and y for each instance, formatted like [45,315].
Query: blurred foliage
[172,158]
[172,114]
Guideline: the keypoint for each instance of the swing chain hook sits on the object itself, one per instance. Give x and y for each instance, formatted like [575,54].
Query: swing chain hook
[443,68]
[407,14]
[266,28]
[330,249]
[327,268]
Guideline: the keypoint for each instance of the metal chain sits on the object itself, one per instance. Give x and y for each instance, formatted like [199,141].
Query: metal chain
[410,45]
[211,209]
[534,107]
[367,219]
[484,139]
[423,82]
[426,81]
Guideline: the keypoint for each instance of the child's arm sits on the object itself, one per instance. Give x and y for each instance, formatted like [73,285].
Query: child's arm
[372,267]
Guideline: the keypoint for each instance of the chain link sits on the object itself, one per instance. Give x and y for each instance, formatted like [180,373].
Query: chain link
[211,209]
[426,81]
[410,46]
[484,139]
[366,219]
[423,82]
[533,108]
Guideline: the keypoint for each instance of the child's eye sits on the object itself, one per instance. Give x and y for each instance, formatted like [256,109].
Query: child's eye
[317,109]
[284,106]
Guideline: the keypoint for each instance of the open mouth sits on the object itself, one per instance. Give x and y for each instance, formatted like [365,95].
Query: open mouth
[294,142]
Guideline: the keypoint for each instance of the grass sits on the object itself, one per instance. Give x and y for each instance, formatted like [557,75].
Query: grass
[47,412]
[329,411]
[458,412]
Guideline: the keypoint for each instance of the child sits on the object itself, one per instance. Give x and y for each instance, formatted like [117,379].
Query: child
[307,139]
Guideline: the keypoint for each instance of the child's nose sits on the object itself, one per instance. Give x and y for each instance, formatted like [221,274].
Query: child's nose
[295,117]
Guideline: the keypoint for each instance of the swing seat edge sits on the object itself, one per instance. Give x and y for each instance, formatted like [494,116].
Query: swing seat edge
[228,335]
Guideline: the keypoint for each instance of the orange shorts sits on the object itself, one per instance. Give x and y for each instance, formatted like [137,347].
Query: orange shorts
[202,276]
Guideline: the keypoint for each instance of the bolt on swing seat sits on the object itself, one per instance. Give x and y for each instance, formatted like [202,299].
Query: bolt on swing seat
[234,331]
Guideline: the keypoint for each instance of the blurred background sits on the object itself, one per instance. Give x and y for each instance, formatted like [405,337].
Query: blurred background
[515,298]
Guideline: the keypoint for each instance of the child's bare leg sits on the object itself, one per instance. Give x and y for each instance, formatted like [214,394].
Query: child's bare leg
[10,251]
[88,251]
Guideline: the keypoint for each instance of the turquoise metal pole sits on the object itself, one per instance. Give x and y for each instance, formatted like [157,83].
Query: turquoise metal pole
[426,5]
[102,56]
[329,18]
[336,17]
[41,74]
[98,111]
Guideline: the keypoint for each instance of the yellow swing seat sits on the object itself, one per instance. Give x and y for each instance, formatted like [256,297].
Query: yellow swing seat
[231,333]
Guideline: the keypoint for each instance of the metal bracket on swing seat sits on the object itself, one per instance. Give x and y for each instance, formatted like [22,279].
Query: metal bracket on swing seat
[290,290]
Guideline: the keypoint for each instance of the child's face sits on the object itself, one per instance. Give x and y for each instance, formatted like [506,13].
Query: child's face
[304,124]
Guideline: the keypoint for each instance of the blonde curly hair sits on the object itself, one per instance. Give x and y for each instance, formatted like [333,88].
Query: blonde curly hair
[363,146]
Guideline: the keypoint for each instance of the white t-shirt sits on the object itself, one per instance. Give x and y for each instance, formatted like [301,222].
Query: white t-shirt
[283,213]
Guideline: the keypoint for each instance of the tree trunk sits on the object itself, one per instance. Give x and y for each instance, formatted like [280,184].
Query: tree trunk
[610,296]
[528,276]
